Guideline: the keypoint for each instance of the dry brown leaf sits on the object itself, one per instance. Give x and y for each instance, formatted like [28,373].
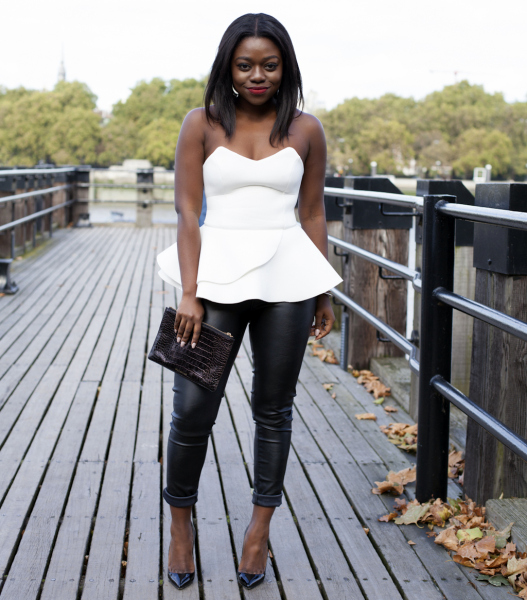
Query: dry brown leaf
[387,518]
[486,545]
[384,487]
[390,409]
[411,543]
[366,417]
[448,539]
[334,395]
[328,386]
[366,530]
[403,477]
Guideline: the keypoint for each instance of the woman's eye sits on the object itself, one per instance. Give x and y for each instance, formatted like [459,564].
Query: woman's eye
[271,66]
[243,66]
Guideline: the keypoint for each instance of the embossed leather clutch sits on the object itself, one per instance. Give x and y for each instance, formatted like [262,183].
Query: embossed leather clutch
[203,364]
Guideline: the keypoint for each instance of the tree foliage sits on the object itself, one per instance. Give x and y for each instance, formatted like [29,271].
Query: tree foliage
[58,126]
[459,127]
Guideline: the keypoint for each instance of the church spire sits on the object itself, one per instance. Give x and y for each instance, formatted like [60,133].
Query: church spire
[62,68]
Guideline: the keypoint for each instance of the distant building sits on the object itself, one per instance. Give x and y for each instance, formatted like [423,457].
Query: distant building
[62,70]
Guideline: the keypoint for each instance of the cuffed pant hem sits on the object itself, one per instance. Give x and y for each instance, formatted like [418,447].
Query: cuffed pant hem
[267,500]
[180,501]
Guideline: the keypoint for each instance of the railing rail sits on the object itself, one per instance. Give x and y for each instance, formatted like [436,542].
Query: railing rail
[437,304]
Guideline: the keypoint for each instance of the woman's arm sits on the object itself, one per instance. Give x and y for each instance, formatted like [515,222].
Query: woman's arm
[312,213]
[188,176]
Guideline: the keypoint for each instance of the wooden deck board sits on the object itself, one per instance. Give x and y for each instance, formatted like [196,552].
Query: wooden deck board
[84,421]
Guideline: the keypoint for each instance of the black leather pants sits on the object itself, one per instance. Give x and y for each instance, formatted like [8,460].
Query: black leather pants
[279,332]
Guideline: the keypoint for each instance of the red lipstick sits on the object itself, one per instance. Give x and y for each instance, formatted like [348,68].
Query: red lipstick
[257,91]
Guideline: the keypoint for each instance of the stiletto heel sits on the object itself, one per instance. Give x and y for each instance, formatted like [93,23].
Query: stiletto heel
[182,580]
[250,580]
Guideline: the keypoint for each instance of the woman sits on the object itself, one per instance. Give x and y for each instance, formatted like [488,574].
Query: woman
[250,264]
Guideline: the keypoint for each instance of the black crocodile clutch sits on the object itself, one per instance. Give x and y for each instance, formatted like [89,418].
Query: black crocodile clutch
[203,364]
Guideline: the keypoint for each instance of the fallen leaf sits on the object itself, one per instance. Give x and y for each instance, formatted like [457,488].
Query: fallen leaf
[413,514]
[390,409]
[497,580]
[501,536]
[486,545]
[366,417]
[411,543]
[448,539]
[387,518]
[384,487]
[334,395]
[403,477]
[379,400]
[515,565]
[328,386]
[467,535]
[366,530]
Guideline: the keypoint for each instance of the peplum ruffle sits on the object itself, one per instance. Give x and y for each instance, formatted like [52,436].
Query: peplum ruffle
[252,246]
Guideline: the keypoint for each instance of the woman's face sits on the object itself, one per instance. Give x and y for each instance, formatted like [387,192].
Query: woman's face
[256,69]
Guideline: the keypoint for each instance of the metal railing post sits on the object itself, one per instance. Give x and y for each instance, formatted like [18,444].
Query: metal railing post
[436,351]
[344,338]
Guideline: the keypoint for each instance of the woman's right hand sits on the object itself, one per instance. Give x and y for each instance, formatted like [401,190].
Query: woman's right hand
[189,316]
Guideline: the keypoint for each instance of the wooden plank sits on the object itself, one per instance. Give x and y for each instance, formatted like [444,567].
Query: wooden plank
[331,565]
[384,299]
[97,439]
[71,325]
[401,560]
[22,434]
[23,431]
[39,295]
[127,296]
[296,574]
[453,579]
[107,397]
[142,568]
[169,591]
[237,489]
[498,385]
[367,565]
[106,549]
[213,540]
[49,313]
[29,272]
[45,436]
[64,571]
[448,575]
[28,567]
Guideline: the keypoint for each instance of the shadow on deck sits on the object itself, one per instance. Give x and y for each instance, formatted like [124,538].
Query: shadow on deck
[83,424]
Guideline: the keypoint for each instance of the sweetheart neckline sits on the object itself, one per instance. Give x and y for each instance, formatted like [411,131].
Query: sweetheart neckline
[252,159]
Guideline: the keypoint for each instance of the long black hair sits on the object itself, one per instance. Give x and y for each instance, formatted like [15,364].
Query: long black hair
[219,86]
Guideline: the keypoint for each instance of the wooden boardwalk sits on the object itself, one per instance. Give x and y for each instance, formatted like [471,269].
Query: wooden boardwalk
[84,419]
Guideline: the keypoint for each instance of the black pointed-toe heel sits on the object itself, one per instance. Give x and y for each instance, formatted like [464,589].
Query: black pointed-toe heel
[250,580]
[182,580]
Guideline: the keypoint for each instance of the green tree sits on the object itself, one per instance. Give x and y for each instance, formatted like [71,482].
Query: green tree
[478,147]
[158,142]
[133,125]
[56,126]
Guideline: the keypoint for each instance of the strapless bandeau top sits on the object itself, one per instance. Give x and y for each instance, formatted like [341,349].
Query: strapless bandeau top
[252,246]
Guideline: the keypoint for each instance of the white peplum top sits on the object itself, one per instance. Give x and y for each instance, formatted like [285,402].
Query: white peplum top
[252,246]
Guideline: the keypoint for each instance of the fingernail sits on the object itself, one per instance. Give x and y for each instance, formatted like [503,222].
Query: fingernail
[317,331]
[182,344]
[193,344]
[178,340]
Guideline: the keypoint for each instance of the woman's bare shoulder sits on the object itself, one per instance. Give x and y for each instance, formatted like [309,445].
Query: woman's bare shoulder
[310,127]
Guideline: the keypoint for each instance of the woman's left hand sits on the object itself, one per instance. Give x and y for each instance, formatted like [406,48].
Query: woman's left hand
[324,317]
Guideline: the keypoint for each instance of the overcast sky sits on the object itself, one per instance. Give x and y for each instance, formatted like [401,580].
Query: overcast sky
[344,48]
